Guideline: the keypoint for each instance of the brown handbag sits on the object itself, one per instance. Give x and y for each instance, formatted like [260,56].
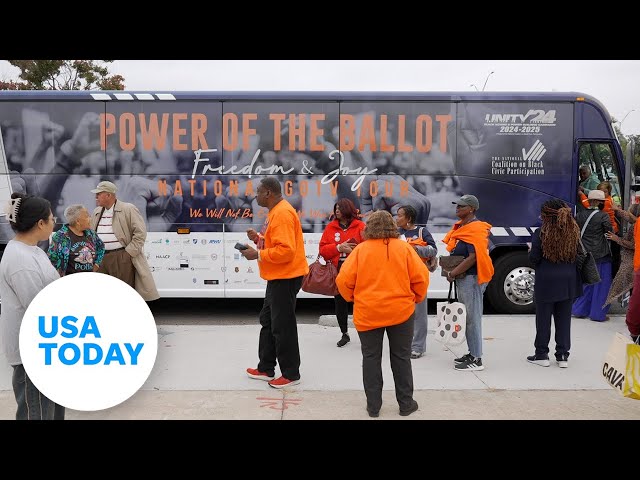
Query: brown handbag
[321,279]
[432,264]
[448,263]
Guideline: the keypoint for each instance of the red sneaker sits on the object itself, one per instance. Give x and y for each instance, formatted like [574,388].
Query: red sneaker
[282,382]
[258,375]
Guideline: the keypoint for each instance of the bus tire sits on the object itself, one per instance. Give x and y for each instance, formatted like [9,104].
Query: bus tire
[511,288]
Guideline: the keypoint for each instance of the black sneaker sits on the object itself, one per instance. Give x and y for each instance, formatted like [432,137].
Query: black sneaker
[344,340]
[471,364]
[542,360]
[563,360]
[412,408]
[463,358]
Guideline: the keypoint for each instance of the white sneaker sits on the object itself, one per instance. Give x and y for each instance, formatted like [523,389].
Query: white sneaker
[543,361]
[563,361]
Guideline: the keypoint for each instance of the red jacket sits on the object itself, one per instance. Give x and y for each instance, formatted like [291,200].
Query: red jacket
[334,234]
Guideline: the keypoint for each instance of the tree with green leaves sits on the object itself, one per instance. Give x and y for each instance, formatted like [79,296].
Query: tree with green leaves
[63,75]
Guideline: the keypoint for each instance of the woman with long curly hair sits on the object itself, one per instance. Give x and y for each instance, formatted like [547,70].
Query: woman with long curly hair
[554,248]
[385,278]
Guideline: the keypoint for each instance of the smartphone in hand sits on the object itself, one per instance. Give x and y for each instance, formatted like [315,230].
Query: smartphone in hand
[240,246]
[351,240]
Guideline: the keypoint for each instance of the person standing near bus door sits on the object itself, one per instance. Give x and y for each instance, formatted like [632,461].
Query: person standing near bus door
[594,225]
[339,238]
[282,263]
[588,181]
[123,232]
[425,246]
[554,248]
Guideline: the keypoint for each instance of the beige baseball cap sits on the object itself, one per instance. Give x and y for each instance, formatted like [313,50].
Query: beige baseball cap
[105,187]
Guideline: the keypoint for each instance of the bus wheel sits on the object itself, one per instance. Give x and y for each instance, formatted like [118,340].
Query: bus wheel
[511,288]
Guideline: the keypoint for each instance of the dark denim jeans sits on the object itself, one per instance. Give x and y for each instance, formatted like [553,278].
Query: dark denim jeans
[32,405]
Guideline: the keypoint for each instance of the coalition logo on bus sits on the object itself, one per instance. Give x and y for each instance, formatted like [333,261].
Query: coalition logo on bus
[88,341]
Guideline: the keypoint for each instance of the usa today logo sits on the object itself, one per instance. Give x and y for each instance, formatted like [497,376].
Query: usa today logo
[88,341]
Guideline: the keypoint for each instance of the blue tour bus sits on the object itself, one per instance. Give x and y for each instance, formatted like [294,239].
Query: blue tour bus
[191,162]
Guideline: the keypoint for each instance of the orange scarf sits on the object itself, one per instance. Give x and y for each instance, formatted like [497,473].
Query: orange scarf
[477,234]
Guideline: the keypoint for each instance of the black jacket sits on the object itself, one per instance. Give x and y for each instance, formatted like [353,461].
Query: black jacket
[554,281]
[593,238]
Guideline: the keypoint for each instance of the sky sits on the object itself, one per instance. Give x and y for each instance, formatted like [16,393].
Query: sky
[613,82]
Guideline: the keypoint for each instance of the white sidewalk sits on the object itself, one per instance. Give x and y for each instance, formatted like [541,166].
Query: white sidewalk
[200,373]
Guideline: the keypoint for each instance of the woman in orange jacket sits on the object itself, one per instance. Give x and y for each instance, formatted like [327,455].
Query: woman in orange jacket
[339,238]
[385,278]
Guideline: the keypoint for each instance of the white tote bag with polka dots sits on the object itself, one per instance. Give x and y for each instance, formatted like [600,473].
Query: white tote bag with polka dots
[452,319]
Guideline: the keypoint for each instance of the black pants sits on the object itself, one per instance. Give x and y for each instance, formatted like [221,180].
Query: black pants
[371,341]
[279,332]
[615,257]
[342,312]
[342,308]
[561,312]
[32,404]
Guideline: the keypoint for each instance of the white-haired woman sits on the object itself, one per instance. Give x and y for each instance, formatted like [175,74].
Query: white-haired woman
[75,247]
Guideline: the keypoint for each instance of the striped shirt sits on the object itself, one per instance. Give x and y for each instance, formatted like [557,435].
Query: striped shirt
[105,231]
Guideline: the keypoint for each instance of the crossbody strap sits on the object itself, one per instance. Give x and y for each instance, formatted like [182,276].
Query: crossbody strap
[584,227]
[584,250]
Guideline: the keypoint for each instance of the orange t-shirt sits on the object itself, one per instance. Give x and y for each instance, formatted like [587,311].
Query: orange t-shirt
[384,282]
[281,244]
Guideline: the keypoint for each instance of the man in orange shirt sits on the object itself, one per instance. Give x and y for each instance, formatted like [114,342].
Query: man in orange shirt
[282,263]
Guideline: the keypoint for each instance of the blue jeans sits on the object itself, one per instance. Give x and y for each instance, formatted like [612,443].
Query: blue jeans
[419,343]
[470,293]
[32,405]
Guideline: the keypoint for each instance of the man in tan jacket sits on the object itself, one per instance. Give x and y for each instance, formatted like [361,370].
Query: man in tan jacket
[122,229]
